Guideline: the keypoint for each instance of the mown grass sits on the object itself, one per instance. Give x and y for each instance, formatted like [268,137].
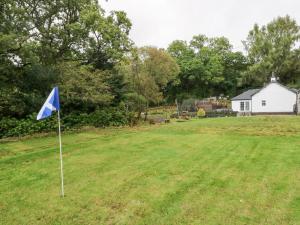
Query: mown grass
[206,171]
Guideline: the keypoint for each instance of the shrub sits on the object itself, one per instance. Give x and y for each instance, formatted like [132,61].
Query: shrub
[221,113]
[10,127]
[200,113]
[99,118]
[111,116]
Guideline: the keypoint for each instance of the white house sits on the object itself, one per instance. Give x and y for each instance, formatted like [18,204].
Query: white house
[274,98]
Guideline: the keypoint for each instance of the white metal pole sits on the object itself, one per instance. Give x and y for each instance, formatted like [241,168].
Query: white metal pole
[61,157]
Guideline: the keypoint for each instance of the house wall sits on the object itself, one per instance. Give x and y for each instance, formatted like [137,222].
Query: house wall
[235,105]
[277,98]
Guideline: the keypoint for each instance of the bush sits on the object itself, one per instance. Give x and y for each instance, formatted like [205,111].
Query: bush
[200,113]
[221,113]
[74,120]
[7,124]
[100,118]
[10,127]
[111,116]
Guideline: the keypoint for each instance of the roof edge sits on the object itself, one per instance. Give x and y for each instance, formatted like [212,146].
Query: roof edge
[276,82]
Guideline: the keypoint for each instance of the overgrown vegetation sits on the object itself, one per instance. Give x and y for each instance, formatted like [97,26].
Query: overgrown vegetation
[87,53]
[10,127]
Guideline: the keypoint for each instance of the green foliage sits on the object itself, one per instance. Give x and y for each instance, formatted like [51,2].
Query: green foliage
[76,120]
[222,113]
[135,102]
[148,72]
[108,37]
[160,65]
[200,113]
[81,86]
[12,127]
[85,51]
[208,66]
[70,43]
[273,48]
[110,116]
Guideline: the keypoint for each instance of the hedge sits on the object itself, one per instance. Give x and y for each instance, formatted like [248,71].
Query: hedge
[12,127]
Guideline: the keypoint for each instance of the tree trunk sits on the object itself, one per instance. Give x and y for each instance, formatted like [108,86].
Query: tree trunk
[176,102]
[146,113]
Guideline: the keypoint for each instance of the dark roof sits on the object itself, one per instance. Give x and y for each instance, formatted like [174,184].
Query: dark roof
[247,95]
[294,90]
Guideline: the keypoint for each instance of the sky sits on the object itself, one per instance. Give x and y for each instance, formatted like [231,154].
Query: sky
[159,22]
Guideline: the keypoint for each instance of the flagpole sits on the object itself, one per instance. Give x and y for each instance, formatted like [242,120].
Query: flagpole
[61,157]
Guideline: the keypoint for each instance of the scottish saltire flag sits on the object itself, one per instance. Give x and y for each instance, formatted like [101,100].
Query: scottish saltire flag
[51,104]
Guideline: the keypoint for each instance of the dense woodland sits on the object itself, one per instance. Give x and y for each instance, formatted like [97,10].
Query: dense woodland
[87,53]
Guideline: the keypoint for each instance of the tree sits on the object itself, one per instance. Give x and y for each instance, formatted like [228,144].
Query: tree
[149,71]
[63,30]
[272,48]
[235,65]
[207,67]
[38,37]
[108,37]
[180,50]
[160,66]
[83,88]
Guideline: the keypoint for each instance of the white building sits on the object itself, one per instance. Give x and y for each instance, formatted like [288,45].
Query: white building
[274,98]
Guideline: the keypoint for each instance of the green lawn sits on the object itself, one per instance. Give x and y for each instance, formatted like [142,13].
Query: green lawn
[206,171]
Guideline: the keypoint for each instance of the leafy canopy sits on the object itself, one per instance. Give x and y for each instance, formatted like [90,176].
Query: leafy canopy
[273,48]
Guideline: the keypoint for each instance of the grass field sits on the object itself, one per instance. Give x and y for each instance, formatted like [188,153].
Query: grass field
[206,171]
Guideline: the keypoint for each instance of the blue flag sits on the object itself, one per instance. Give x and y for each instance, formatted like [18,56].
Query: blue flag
[51,104]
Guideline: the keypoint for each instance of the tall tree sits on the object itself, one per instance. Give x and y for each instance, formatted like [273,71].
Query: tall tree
[83,88]
[273,48]
[207,67]
[148,72]
[160,66]
[36,36]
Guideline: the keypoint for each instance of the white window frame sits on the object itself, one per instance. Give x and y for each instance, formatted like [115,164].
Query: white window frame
[247,106]
[242,106]
[263,103]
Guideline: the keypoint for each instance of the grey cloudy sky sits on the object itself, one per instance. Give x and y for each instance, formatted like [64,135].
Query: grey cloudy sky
[159,22]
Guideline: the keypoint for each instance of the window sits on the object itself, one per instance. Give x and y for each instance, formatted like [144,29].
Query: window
[242,106]
[247,106]
[263,103]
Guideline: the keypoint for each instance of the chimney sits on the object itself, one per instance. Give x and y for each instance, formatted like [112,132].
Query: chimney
[273,78]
